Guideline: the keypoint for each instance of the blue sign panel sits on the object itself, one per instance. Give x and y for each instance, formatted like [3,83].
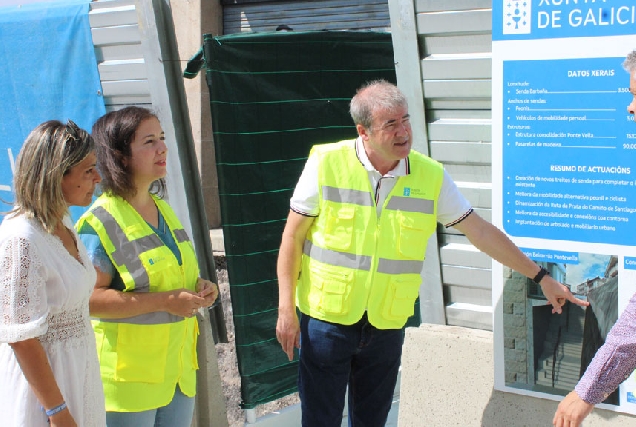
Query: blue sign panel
[569,147]
[545,255]
[48,71]
[630,263]
[542,19]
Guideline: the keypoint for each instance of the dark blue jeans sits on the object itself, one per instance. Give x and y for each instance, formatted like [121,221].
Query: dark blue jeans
[333,356]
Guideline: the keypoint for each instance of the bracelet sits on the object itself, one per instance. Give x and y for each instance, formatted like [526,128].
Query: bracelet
[540,275]
[53,411]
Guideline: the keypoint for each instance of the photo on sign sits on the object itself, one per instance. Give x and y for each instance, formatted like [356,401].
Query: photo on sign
[547,352]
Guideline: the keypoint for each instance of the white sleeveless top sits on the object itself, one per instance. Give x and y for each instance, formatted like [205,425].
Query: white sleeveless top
[44,294]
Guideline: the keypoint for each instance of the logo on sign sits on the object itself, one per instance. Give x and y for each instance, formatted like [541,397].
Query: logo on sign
[407,191]
[516,16]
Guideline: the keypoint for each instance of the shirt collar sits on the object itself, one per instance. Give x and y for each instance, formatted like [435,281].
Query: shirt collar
[403,167]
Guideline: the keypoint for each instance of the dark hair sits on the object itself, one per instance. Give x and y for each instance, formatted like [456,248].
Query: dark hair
[113,134]
[50,151]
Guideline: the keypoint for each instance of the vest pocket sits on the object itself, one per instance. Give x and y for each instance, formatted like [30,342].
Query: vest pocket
[413,239]
[161,272]
[400,298]
[339,227]
[332,288]
[142,351]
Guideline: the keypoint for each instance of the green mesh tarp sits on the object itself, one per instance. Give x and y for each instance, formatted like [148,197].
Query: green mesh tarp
[273,96]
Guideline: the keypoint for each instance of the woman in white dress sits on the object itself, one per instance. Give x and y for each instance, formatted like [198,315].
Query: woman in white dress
[49,373]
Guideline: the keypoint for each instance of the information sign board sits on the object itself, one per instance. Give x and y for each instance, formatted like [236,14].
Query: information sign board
[564,185]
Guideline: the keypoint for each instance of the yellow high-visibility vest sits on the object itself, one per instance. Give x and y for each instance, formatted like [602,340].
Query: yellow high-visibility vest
[354,261]
[143,358]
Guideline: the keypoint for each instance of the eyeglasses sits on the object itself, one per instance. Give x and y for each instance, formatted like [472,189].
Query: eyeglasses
[393,125]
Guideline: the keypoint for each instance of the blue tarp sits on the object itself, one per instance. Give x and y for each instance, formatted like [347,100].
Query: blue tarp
[48,70]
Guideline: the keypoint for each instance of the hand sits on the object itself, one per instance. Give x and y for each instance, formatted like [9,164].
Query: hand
[557,294]
[184,303]
[62,419]
[571,411]
[288,331]
[207,290]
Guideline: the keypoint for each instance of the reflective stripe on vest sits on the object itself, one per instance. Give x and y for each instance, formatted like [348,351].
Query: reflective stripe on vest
[341,259]
[361,262]
[128,252]
[156,318]
[181,235]
[399,266]
[408,204]
[362,198]
[343,195]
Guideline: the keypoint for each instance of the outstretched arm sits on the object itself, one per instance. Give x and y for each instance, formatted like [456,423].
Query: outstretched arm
[492,241]
[612,364]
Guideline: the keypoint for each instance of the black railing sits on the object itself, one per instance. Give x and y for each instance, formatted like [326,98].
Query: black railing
[555,353]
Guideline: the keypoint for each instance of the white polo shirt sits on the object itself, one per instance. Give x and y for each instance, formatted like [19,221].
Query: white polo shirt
[452,206]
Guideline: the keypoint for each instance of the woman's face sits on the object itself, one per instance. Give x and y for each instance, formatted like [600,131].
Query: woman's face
[79,182]
[148,151]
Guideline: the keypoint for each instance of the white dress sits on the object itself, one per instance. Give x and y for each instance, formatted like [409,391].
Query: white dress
[44,293]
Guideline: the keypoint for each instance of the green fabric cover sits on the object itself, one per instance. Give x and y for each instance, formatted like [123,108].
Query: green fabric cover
[273,96]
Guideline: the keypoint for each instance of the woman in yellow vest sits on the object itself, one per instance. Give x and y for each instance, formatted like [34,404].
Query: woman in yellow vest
[148,287]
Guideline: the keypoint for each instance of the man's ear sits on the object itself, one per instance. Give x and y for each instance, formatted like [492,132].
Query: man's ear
[363,132]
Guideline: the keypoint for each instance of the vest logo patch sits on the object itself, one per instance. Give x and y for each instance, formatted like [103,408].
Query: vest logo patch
[153,261]
[408,191]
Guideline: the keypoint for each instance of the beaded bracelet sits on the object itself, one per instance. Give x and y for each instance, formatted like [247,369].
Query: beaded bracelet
[53,411]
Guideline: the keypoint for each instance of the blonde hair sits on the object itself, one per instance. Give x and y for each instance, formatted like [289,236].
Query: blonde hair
[48,153]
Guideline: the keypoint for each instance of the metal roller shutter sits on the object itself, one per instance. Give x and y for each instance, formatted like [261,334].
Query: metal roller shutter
[260,16]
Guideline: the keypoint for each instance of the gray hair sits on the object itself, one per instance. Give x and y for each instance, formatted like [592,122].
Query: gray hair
[630,62]
[372,96]
[48,153]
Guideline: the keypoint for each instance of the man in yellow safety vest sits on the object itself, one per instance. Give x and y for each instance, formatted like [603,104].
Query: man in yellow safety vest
[352,253]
